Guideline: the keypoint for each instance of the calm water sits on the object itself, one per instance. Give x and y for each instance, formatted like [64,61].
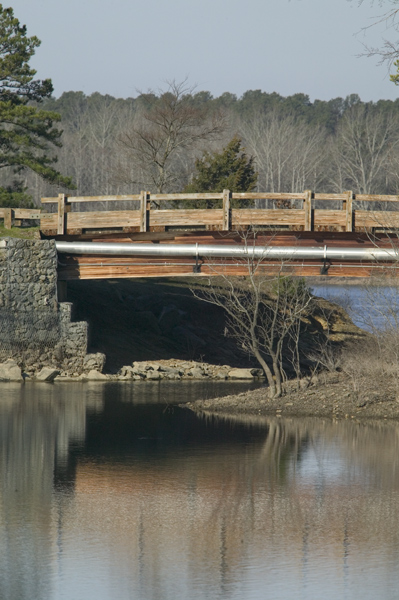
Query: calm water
[112,491]
[372,307]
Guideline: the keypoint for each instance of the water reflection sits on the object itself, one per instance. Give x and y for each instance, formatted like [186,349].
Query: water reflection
[105,496]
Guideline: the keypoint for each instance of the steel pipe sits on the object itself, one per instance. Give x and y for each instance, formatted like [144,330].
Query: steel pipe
[198,251]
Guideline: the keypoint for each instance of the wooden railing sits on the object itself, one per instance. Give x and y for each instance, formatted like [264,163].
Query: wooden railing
[148,216]
[13,217]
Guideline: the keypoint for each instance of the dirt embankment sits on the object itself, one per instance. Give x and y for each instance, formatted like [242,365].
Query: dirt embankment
[327,395]
[149,320]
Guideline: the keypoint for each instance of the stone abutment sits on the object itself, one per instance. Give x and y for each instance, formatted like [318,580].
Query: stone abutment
[35,329]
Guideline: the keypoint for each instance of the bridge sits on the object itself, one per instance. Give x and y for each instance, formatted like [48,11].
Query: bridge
[164,235]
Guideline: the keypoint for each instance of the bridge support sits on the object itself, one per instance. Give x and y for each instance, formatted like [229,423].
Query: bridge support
[35,327]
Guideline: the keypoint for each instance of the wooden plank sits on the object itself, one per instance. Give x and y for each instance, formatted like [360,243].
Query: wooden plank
[144,210]
[8,217]
[201,217]
[226,210]
[376,219]
[160,197]
[375,198]
[94,198]
[61,214]
[48,221]
[331,197]
[27,213]
[235,195]
[307,205]
[111,219]
[329,218]
[107,267]
[93,220]
[267,196]
[191,217]
[349,211]
[270,216]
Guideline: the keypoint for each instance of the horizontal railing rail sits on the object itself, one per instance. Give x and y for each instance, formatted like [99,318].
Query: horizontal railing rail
[307,211]
[13,217]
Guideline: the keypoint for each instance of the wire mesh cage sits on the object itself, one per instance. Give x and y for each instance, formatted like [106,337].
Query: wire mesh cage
[29,336]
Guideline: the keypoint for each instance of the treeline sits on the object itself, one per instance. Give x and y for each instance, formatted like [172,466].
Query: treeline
[118,146]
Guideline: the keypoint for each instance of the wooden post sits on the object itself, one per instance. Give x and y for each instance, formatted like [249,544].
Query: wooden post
[347,206]
[8,215]
[144,211]
[307,205]
[61,215]
[226,210]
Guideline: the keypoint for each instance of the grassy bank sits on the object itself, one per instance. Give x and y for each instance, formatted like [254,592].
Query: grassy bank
[23,233]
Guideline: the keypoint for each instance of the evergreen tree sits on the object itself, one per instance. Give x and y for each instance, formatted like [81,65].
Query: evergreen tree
[231,169]
[27,132]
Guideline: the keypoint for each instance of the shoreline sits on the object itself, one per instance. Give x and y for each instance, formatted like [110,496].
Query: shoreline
[329,395]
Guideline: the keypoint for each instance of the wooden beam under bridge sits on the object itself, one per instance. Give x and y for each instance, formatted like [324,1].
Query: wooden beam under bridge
[85,267]
[113,266]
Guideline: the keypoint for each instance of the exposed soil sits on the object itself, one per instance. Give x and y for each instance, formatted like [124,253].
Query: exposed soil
[329,395]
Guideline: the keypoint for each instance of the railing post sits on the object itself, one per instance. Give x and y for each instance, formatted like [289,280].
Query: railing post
[61,215]
[226,210]
[347,206]
[307,205]
[144,210]
[8,217]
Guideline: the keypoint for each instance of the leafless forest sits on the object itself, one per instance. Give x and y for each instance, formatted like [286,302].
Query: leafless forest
[118,146]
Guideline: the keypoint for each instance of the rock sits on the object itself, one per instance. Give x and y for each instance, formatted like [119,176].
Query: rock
[221,375]
[47,374]
[303,383]
[240,374]
[10,371]
[144,366]
[127,372]
[94,362]
[154,375]
[195,372]
[170,370]
[94,375]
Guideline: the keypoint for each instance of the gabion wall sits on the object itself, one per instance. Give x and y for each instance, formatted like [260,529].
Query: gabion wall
[35,329]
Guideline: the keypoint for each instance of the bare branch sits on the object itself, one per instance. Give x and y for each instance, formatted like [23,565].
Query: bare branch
[167,126]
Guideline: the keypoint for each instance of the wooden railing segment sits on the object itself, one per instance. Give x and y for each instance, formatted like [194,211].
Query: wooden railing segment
[149,216]
[13,216]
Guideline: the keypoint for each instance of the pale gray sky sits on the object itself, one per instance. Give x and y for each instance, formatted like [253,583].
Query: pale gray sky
[287,46]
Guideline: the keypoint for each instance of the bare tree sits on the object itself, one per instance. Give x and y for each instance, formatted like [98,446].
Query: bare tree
[361,150]
[166,126]
[288,153]
[388,52]
[262,312]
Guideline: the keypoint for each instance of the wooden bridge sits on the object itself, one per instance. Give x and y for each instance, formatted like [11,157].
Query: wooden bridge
[304,220]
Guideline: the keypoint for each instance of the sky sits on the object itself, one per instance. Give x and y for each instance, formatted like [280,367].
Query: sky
[124,47]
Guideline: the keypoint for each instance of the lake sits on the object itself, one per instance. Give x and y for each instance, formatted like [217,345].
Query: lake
[371,306]
[113,491]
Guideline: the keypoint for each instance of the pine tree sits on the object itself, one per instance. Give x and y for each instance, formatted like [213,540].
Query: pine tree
[27,132]
[230,169]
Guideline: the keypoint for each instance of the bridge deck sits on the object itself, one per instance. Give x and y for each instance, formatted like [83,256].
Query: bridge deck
[292,219]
